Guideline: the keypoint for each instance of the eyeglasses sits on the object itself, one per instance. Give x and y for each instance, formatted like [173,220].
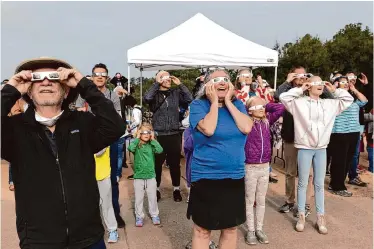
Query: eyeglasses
[352,77]
[343,82]
[146,132]
[317,83]
[100,74]
[256,107]
[213,69]
[42,75]
[220,79]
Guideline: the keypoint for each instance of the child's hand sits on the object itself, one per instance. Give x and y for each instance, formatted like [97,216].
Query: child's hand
[153,135]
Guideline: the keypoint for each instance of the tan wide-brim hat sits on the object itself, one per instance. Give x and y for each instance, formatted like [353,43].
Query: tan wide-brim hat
[42,62]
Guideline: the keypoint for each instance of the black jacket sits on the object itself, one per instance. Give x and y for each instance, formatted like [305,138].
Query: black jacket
[57,199]
[287,132]
[165,118]
[121,81]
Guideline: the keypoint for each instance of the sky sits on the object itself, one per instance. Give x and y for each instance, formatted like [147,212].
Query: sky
[86,33]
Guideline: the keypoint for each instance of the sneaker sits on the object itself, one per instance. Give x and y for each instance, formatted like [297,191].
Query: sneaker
[113,237]
[286,207]
[250,238]
[273,174]
[300,223]
[138,222]
[308,211]
[321,224]
[156,220]
[272,180]
[357,181]
[328,173]
[343,193]
[131,177]
[329,188]
[158,195]
[120,222]
[177,195]
[261,237]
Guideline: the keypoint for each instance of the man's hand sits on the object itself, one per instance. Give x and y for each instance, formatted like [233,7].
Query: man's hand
[21,81]
[175,80]
[70,77]
[330,87]
[211,93]
[230,93]
[291,77]
[364,79]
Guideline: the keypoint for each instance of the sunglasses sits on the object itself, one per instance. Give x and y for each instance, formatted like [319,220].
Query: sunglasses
[165,77]
[256,107]
[308,75]
[100,74]
[352,77]
[244,75]
[145,133]
[42,75]
[220,79]
[317,83]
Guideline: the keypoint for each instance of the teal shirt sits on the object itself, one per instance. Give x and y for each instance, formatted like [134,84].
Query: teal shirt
[348,121]
[144,158]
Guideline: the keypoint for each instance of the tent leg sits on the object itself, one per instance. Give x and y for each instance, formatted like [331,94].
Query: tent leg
[141,87]
[128,78]
[275,78]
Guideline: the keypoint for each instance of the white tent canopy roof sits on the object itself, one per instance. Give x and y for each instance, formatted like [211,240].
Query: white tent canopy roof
[200,42]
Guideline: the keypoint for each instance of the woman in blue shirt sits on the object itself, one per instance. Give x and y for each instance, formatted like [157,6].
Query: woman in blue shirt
[219,124]
[343,141]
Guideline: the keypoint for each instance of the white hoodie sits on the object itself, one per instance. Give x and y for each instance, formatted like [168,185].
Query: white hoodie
[314,119]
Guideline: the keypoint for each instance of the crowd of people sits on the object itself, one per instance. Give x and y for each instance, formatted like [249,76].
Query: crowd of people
[69,137]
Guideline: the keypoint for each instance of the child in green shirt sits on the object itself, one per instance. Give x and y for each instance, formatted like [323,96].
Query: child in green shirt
[144,147]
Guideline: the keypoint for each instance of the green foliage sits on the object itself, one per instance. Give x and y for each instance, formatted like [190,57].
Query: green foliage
[351,48]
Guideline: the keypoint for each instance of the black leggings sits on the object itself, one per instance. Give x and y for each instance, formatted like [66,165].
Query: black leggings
[172,152]
[342,148]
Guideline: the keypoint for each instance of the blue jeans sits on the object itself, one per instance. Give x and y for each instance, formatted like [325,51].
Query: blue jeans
[113,177]
[10,175]
[98,245]
[305,158]
[370,155]
[352,173]
[121,141]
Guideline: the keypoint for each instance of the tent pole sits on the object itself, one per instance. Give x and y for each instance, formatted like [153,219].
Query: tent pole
[129,78]
[141,87]
[275,78]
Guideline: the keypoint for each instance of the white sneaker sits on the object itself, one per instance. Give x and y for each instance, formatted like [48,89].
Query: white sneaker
[321,224]
[300,225]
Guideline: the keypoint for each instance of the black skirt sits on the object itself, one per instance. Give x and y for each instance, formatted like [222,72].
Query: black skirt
[217,204]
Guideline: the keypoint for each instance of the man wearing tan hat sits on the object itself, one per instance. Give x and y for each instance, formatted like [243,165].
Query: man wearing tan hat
[51,150]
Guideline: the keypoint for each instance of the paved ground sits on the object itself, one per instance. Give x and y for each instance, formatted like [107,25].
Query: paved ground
[350,220]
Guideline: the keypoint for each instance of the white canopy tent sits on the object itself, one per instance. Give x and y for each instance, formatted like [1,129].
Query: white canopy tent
[197,43]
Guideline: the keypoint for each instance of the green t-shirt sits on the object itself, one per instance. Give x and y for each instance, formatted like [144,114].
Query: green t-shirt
[144,158]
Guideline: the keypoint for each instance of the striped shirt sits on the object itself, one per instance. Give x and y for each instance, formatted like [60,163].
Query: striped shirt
[348,121]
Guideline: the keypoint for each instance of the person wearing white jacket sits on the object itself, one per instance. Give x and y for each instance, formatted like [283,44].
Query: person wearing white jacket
[313,118]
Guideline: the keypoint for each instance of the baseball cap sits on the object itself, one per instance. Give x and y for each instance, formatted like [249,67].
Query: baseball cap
[41,62]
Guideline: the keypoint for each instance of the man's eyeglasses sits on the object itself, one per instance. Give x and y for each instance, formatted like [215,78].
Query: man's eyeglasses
[302,75]
[39,76]
[220,79]
[352,77]
[100,74]
[256,107]
[166,77]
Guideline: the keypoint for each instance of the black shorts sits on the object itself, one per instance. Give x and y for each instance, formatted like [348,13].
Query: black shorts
[217,204]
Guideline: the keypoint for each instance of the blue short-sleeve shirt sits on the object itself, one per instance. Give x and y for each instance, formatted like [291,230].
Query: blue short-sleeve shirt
[220,156]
